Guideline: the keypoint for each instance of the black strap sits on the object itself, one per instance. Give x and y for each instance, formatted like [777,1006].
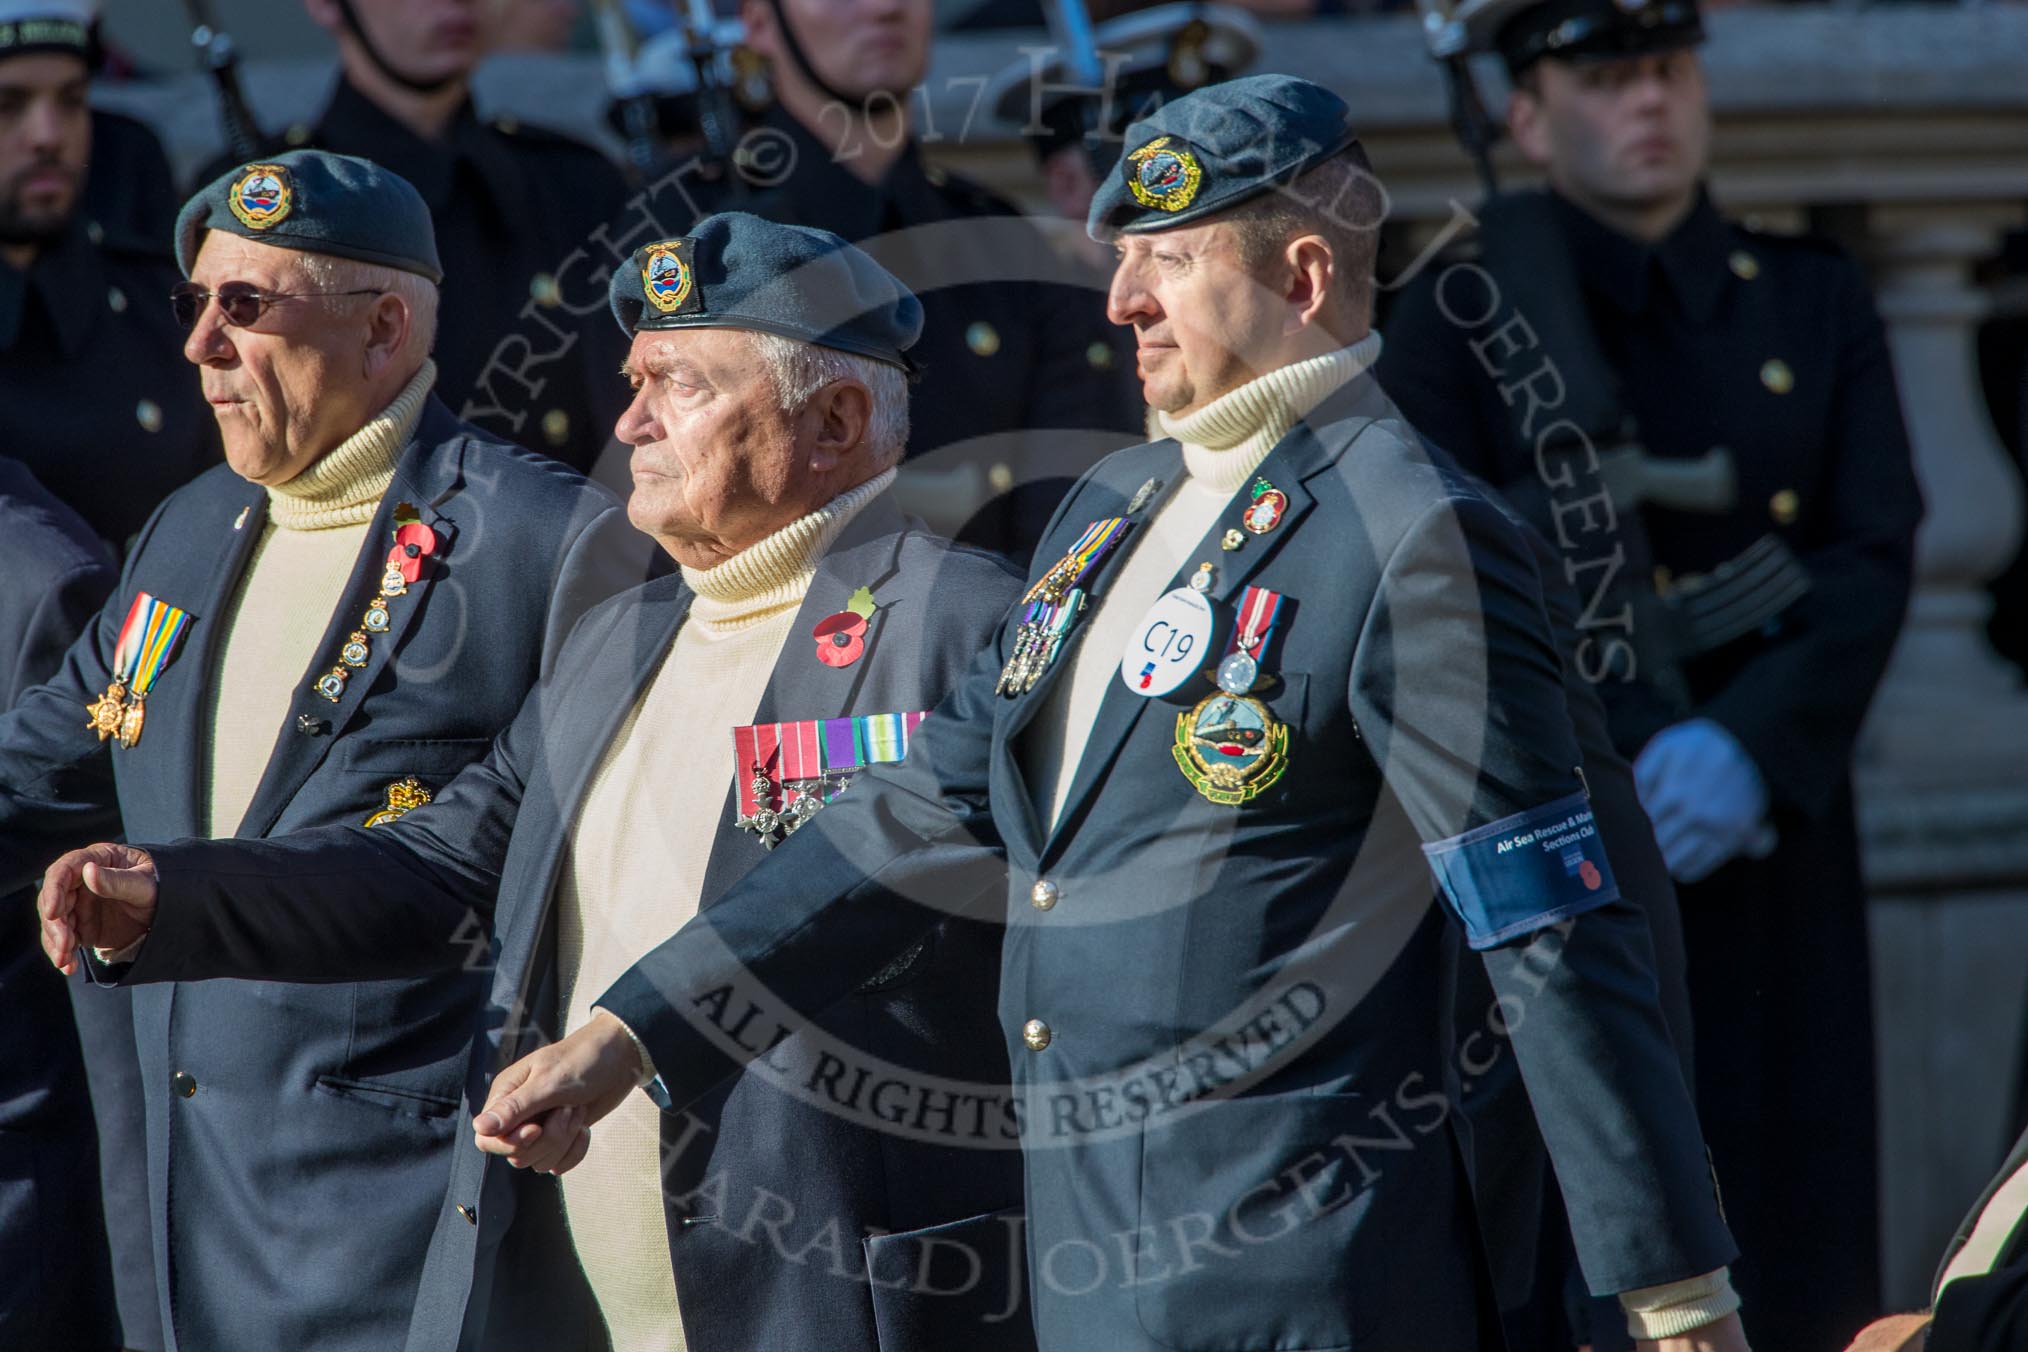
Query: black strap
[801,58]
[384,66]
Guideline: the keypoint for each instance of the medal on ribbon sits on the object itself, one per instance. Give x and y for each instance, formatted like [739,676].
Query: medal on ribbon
[787,772]
[147,641]
[1239,669]
[1053,604]
[413,543]
[1231,747]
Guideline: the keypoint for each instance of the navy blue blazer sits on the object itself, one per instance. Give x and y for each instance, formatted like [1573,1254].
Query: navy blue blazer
[298,1138]
[1229,1025]
[53,1259]
[800,1214]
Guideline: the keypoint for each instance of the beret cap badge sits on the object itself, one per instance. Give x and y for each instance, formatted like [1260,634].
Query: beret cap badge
[260,197]
[1163,175]
[666,276]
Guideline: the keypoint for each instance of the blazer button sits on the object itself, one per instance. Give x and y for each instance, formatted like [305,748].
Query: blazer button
[1036,1034]
[1043,895]
[468,1213]
[184,1083]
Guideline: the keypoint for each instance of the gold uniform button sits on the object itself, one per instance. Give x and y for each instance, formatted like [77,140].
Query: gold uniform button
[95,232]
[116,299]
[1744,265]
[468,1213]
[1776,375]
[1100,356]
[506,124]
[1784,505]
[184,1083]
[935,174]
[148,413]
[542,288]
[1000,478]
[1036,1034]
[556,427]
[1043,895]
[298,134]
[983,338]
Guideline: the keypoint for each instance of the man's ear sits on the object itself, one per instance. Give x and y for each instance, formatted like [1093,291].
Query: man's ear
[1312,273]
[842,412]
[388,321]
[758,17]
[1526,121]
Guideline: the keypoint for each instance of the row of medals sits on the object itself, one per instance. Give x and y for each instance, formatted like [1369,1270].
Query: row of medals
[774,826]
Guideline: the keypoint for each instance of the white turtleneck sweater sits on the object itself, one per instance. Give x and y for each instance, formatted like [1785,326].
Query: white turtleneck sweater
[316,525]
[636,871]
[1224,442]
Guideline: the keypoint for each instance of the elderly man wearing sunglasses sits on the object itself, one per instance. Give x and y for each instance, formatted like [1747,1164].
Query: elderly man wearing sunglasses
[323,630]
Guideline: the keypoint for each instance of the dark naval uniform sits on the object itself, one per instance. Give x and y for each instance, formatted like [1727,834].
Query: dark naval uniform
[1024,381]
[95,396]
[511,204]
[1770,349]
[53,1256]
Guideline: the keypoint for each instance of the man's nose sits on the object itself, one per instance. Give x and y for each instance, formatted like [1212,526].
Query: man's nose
[1128,298]
[208,344]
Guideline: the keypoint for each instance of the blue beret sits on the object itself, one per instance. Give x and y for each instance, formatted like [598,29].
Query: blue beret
[1217,147]
[316,202]
[739,271]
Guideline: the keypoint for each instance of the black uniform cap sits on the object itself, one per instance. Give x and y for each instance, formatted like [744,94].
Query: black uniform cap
[738,271]
[316,202]
[1525,31]
[1216,148]
[28,27]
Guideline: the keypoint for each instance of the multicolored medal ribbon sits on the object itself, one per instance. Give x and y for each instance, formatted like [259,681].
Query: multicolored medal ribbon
[786,772]
[1053,605]
[147,640]
[1239,669]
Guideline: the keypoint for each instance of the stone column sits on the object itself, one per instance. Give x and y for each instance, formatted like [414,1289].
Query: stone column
[1943,764]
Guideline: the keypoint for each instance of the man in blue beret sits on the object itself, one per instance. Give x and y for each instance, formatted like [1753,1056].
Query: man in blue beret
[525,217]
[1704,416]
[686,729]
[324,629]
[1282,720]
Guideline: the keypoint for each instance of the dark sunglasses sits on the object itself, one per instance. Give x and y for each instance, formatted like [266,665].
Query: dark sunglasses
[242,302]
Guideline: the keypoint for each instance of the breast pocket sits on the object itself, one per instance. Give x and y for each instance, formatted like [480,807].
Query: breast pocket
[430,759]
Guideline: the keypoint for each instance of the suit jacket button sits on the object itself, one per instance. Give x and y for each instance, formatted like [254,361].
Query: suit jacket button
[184,1083]
[1036,1034]
[1043,895]
[468,1213]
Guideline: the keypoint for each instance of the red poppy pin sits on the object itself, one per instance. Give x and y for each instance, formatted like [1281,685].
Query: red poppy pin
[413,542]
[841,638]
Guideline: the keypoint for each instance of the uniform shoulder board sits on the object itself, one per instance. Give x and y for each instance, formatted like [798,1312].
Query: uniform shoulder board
[126,241]
[1810,241]
[533,136]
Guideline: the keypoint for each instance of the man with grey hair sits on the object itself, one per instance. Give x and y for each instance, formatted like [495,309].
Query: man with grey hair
[688,727]
[324,629]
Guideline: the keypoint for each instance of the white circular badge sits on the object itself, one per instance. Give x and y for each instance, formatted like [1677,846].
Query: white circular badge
[1170,645]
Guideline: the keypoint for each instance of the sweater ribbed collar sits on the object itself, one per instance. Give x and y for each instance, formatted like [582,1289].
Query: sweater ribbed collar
[773,574]
[1225,441]
[344,486]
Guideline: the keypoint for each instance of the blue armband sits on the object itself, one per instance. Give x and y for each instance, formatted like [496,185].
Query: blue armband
[1522,873]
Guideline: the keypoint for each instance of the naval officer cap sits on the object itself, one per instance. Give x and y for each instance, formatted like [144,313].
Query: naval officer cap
[316,202]
[1216,148]
[738,271]
[1525,31]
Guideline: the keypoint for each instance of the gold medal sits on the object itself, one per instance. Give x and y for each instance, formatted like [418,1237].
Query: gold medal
[1230,747]
[106,711]
[130,722]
